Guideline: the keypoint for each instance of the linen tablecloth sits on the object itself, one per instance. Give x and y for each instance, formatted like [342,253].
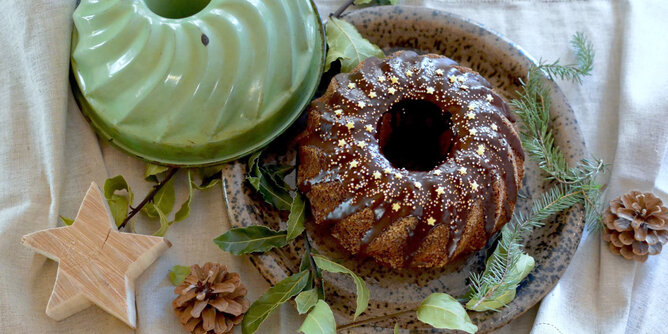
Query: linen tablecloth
[49,155]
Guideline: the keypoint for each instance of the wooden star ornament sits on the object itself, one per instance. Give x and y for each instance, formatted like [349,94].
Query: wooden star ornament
[97,263]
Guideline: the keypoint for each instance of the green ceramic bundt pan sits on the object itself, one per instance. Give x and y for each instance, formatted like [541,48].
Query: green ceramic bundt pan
[195,82]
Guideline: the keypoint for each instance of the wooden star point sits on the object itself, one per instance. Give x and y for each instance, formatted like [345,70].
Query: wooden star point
[97,263]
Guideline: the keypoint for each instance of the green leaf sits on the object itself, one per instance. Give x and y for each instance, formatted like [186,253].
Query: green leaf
[492,304]
[184,211]
[278,195]
[440,310]
[250,239]
[210,176]
[396,328]
[164,224]
[274,297]
[178,274]
[305,300]
[66,221]
[118,204]
[346,44]
[362,290]
[320,320]
[296,217]
[152,171]
[163,200]
[361,2]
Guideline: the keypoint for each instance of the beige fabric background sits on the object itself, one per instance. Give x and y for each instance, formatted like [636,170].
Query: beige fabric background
[49,156]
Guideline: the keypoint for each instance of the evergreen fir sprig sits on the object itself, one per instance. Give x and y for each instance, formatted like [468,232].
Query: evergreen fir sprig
[508,265]
[504,270]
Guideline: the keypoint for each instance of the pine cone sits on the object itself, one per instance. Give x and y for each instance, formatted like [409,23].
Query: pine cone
[210,300]
[636,225]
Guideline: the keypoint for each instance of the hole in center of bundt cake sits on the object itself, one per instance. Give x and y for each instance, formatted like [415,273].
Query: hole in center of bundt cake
[176,9]
[416,135]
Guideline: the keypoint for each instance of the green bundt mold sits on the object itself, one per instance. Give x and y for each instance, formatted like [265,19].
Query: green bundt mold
[191,87]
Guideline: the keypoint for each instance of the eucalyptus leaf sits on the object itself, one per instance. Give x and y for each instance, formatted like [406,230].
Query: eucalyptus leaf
[184,211]
[320,320]
[251,239]
[347,45]
[296,217]
[270,300]
[440,310]
[66,221]
[164,200]
[362,290]
[305,300]
[118,204]
[152,171]
[178,274]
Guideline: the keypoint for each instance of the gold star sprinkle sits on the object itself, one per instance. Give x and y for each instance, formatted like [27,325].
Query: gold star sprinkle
[394,79]
[471,106]
[431,221]
[430,90]
[462,170]
[361,104]
[350,125]
[396,207]
[361,144]
[489,98]
[351,85]
[439,72]
[338,112]
[452,78]
[354,164]
[473,132]
[437,172]
[440,190]
[397,175]
[381,78]
[387,171]
[481,150]
[474,186]
[376,175]
[342,143]
[418,185]
[409,73]
[470,115]
[494,127]
[372,95]
[391,90]
[461,78]
[368,128]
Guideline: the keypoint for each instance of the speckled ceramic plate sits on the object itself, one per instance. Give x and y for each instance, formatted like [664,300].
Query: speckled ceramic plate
[502,63]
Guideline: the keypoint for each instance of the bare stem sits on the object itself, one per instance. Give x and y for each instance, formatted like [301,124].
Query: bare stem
[342,9]
[374,319]
[149,197]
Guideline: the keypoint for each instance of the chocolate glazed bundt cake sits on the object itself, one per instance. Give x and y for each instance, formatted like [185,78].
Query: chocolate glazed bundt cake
[412,160]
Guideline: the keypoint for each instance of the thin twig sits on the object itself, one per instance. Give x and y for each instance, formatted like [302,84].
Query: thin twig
[342,9]
[374,320]
[149,197]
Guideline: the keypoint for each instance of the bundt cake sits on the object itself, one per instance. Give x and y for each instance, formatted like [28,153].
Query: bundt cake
[412,160]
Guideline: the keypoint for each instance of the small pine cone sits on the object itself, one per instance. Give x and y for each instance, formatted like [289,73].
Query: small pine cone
[636,225]
[210,300]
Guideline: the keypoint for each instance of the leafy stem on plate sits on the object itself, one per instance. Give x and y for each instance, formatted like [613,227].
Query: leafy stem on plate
[159,201]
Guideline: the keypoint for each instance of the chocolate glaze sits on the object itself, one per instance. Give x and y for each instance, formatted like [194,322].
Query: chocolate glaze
[483,149]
